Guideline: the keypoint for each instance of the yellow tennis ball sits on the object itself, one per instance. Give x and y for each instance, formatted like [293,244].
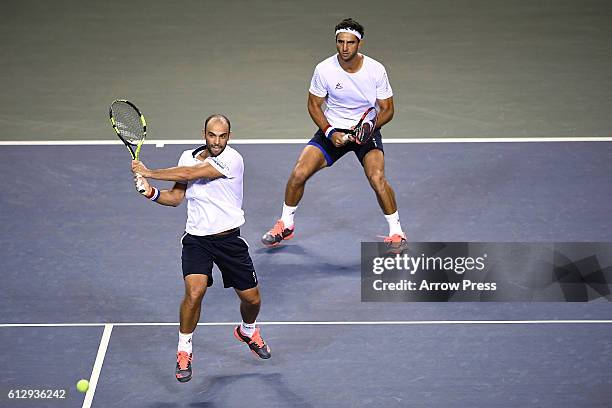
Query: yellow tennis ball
[82,386]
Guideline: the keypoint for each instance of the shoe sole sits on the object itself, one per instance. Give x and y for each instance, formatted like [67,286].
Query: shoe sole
[277,243]
[398,251]
[184,379]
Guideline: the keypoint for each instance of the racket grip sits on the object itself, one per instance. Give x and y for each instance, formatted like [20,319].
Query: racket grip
[140,187]
[345,138]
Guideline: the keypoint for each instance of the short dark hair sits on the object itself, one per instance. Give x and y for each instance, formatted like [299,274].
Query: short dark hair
[218,116]
[352,24]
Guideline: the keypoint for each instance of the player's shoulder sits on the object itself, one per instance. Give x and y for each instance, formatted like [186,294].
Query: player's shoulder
[371,62]
[186,155]
[328,63]
[230,151]
[231,154]
[229,161]
[187,152]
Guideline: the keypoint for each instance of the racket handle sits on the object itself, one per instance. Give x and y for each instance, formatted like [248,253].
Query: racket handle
[140,187]
[345,138]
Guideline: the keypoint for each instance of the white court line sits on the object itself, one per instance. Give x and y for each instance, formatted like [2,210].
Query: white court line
[95,373]
[320,323]
[161,143]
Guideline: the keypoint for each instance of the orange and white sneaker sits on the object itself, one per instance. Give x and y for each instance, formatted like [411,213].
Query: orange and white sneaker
[396,243]
[257,345]
[183,366]
[277,234]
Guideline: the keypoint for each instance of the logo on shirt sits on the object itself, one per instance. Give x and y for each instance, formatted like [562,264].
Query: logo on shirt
[338,86]
[219,163]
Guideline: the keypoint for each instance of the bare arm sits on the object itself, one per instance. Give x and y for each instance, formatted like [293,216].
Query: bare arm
[172,197]
[318,117]
[180,173]
[315,111]
[385,111]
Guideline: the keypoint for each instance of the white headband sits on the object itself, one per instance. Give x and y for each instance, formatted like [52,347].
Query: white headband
[350,31]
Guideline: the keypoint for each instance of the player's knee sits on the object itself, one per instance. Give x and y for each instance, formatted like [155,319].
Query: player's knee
[254,300]
[377,180]
[194,296]
[298,177]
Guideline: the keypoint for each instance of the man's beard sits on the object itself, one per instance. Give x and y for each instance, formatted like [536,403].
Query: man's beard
[210,152]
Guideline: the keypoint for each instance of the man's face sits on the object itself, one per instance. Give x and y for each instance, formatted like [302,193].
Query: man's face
[347,45]
[216,135]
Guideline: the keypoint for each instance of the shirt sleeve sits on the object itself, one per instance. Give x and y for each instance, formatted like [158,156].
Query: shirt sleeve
[181,162]
[228,163]
[383,87]
[317,87]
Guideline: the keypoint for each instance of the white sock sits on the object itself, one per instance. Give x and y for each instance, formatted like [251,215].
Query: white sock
[394,224]
[184,343]
[247,328]
[288,213]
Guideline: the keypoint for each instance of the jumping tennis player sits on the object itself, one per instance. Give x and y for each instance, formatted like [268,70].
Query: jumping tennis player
[211,179]
[348,83]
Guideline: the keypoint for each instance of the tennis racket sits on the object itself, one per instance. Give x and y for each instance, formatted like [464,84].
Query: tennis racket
[364,129]
[129,124]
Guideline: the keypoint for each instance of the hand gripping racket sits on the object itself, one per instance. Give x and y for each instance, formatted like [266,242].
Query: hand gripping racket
[129,124]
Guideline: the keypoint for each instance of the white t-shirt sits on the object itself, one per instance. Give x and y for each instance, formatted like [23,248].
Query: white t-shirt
[349,95]
[215,206]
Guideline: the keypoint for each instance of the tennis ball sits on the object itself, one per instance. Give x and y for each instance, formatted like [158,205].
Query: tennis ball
[82,386]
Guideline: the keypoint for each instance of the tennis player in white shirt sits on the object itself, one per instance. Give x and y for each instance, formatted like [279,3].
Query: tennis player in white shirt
[348,83]
[210,177]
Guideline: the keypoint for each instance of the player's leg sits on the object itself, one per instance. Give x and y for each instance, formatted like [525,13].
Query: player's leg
[318,154]
[189,315]
[197,276]
[250,302]
[373,162]
[248,332]
[236,266]
[374,168]
[310,161]
[195,288]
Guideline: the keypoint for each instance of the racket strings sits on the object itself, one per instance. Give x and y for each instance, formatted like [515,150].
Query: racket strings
[366,126]
[128,122]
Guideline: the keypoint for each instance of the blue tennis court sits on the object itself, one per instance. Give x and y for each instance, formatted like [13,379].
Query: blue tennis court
[92,282]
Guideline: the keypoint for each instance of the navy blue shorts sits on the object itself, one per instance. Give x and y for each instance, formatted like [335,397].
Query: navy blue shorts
[229,252]
[333,153]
